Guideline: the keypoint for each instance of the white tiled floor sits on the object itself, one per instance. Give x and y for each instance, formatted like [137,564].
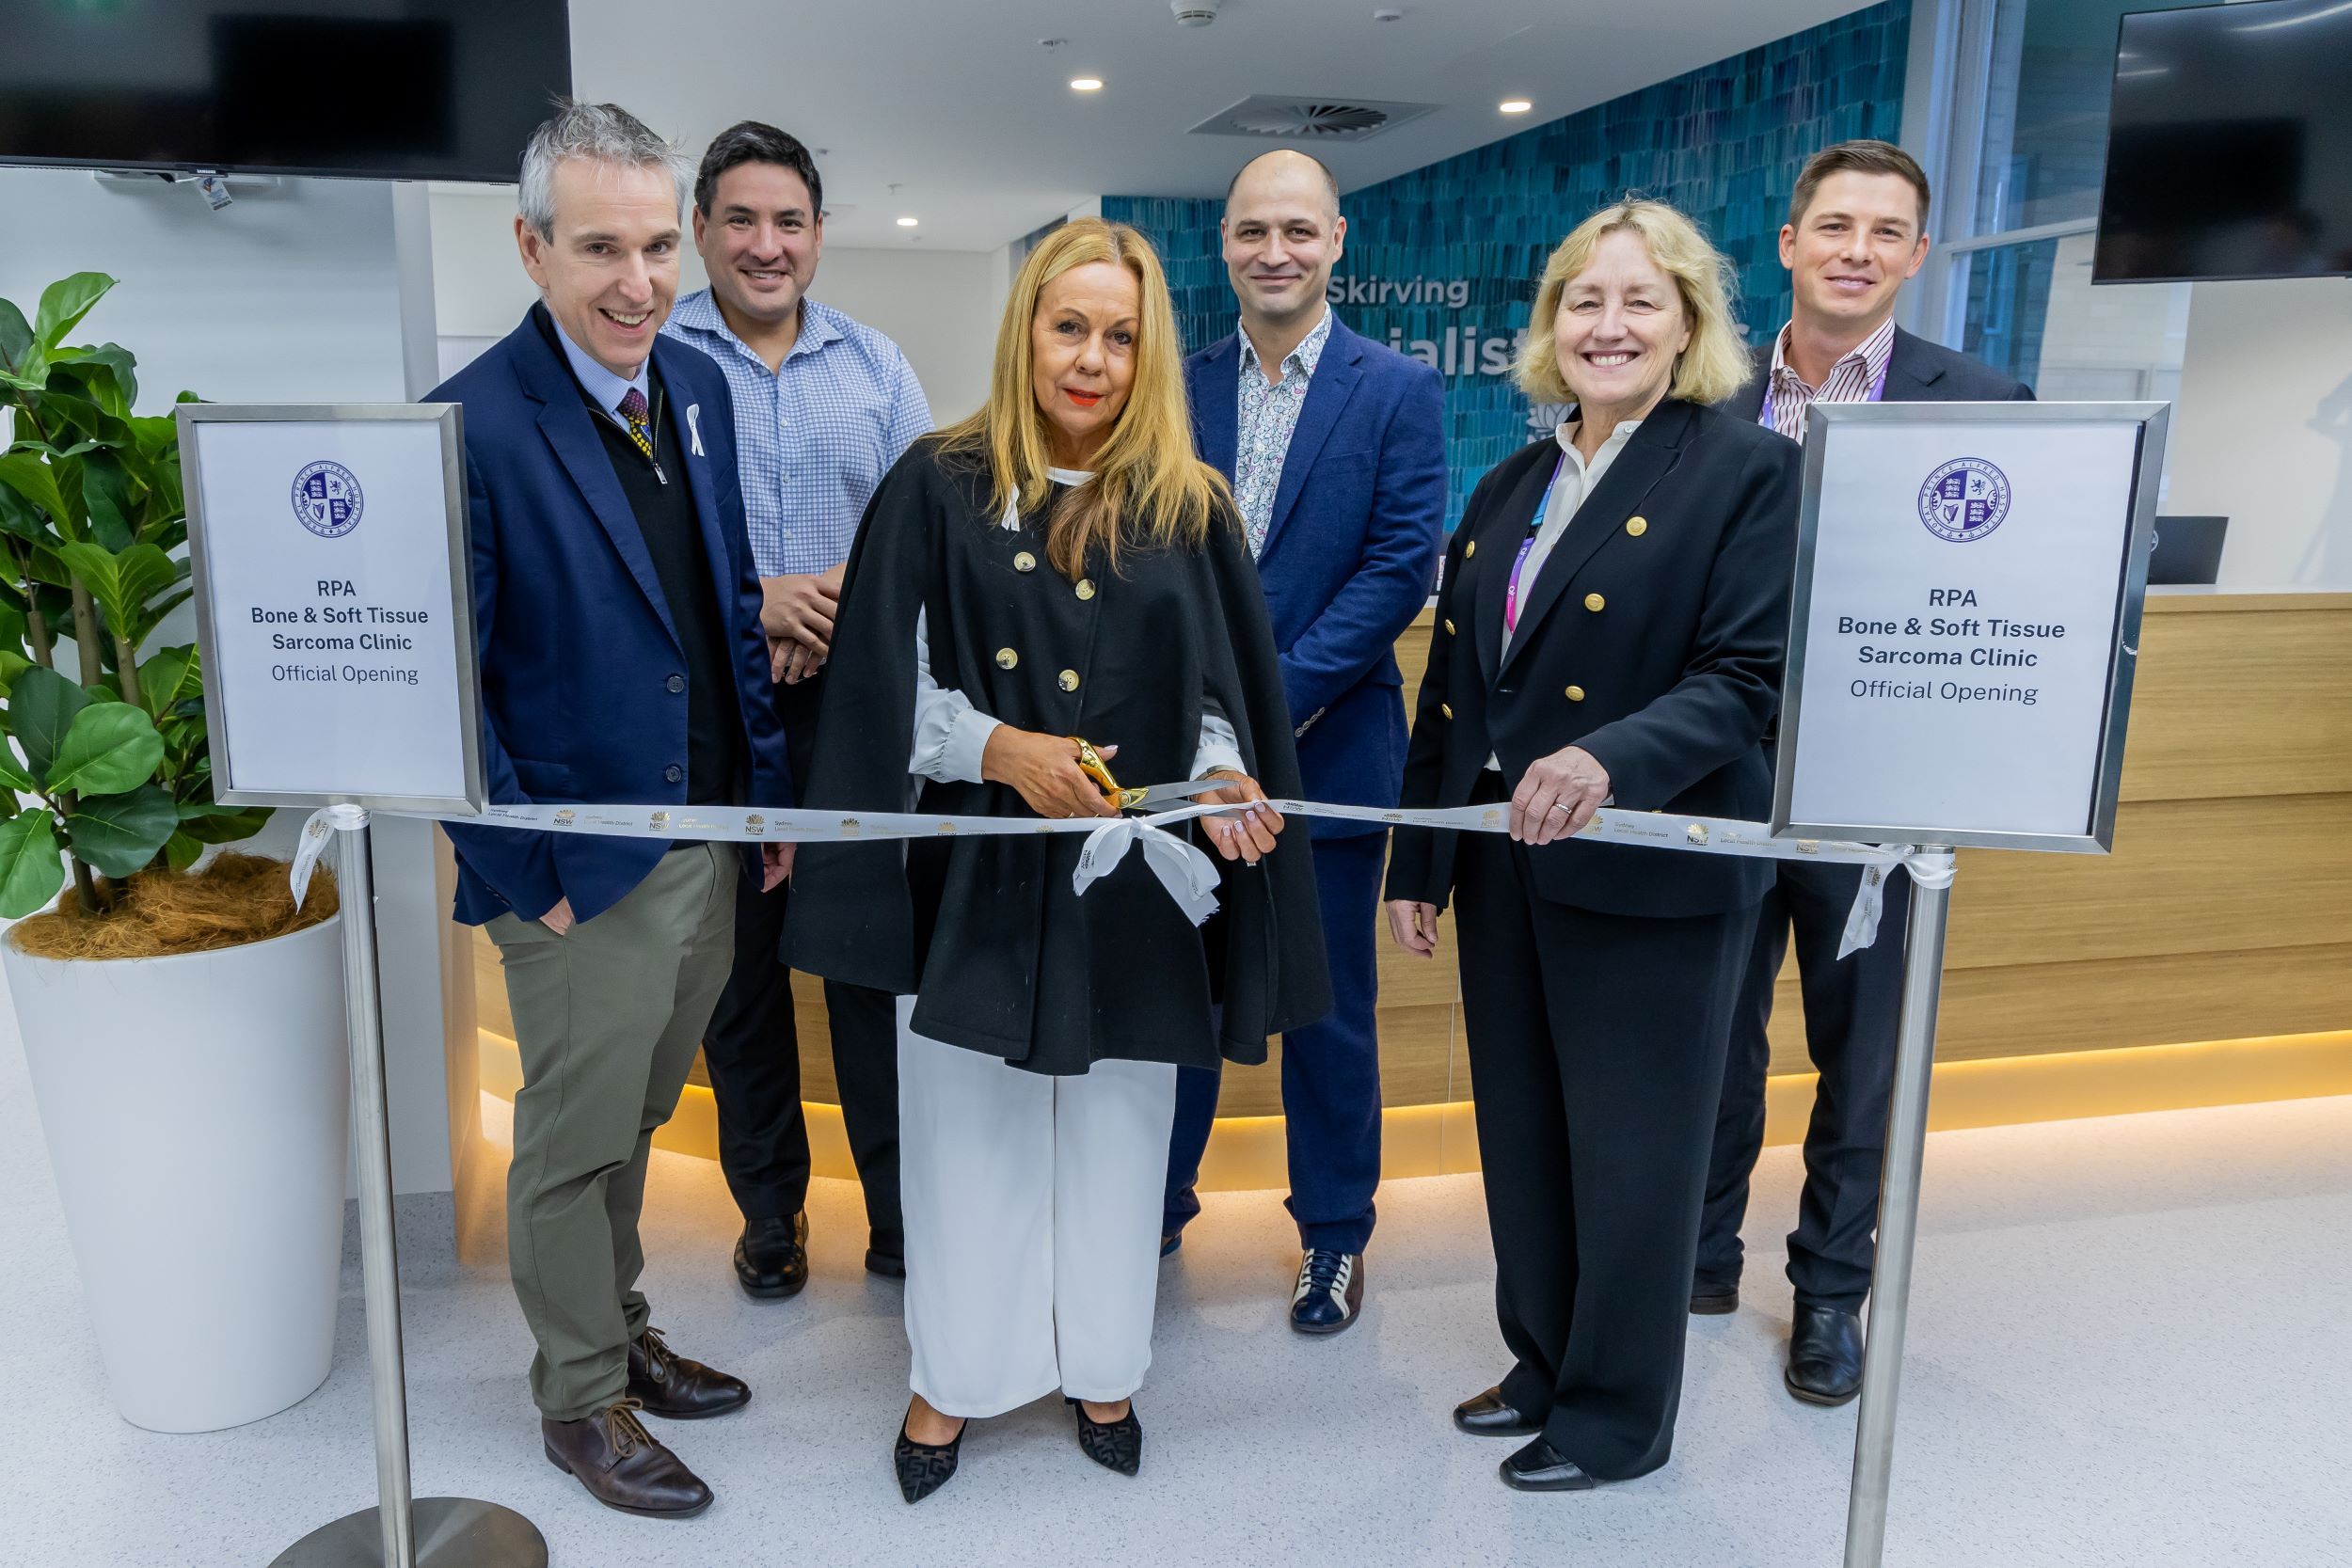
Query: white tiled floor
[2129,1346]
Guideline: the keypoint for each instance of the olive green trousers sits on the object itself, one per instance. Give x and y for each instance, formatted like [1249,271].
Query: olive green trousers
[607,1017]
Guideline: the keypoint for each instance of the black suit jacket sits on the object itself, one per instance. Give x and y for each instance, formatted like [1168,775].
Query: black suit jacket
[1918,372]
[1655,648]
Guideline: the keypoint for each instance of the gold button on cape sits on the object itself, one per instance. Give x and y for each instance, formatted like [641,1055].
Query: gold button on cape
[1024,561]
[1006,658]
[1070,680]
[1637,526]
[1594,601]
[1470,549]
[1576,694]
[1086,588]
[1449,628]
[1446,710]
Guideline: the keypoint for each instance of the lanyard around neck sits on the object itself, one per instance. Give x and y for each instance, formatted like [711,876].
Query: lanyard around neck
[1535,527]
[1876,392]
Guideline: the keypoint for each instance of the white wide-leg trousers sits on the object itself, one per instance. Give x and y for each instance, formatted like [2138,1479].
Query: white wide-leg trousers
[1033,1212]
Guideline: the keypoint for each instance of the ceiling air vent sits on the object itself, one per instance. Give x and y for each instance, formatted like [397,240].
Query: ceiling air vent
[1310,119]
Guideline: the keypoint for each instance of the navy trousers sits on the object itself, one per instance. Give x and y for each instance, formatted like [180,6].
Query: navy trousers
[1331,1072]
[1851,1009]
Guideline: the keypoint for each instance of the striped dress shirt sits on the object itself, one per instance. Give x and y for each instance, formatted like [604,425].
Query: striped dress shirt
[1852,379]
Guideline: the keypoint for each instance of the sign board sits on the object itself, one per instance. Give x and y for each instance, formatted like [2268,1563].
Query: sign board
[334,603]
[1967,621]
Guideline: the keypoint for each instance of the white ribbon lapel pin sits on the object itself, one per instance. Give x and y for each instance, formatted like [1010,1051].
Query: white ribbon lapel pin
[693,426]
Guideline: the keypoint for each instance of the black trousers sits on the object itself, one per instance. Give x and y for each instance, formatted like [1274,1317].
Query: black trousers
[1851,1009]
[1597,1055]
[752,1048]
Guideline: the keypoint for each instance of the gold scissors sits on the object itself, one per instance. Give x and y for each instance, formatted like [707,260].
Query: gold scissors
[1090,763]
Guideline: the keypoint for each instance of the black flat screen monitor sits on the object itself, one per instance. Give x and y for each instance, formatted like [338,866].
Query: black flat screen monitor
[402,89]
[2230,144]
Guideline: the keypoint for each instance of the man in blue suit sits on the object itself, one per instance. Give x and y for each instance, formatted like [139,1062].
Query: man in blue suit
[622,660]
[1336,449]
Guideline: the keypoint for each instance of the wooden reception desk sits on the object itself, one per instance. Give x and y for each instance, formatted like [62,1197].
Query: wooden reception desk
[2208,960]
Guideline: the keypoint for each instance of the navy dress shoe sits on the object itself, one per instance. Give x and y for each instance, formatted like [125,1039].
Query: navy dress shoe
[1711,1300]
[1825,1356]
[1541,1467]
[1330,1291]
[772,1259]
[1487,1415]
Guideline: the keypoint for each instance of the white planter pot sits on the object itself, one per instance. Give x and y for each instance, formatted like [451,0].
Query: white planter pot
[197,1110]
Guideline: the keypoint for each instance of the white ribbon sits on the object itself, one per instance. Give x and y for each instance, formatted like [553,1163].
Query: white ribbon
[1189,876]
[317,833]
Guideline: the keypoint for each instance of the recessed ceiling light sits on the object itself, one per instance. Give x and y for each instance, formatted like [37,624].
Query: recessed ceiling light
[1086,84]
[907,223]
[1515,105]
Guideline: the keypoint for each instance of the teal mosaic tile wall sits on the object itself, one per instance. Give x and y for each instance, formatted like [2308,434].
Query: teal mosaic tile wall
[1441,262]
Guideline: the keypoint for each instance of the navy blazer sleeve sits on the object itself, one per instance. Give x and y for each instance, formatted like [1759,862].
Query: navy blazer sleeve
[1361,623]
[518,865]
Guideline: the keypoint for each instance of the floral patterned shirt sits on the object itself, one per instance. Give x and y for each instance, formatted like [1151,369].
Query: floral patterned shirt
[1269,415]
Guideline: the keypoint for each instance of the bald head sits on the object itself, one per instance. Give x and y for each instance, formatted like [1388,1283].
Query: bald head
[1285,168]
[1283,231]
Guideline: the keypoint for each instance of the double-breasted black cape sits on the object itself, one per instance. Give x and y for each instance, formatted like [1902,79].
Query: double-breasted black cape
[987,932]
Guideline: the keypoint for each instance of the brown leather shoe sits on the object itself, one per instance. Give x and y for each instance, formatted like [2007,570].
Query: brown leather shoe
[618,1460]
[670,1386]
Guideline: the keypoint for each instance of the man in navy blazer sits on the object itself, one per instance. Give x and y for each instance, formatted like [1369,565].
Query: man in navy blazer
[621,662]
[1856,231]
[1336,449]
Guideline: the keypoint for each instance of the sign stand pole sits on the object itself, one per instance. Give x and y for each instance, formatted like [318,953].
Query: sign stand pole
[398,1532]
[1898,1220]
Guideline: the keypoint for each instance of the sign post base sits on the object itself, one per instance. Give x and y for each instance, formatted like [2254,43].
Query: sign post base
[451,1533]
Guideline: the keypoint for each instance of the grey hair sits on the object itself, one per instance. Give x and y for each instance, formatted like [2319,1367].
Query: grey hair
[601,133]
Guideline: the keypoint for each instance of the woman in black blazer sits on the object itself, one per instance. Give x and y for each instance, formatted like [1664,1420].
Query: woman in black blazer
[1609,631]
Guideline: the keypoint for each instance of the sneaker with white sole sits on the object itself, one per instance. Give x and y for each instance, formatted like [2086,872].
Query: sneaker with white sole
[1330,1291]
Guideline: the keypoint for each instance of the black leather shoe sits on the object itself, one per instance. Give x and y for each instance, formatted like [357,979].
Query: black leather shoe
[1113,1445]
[772,1259]
[1541,1467]
[612,1454]
[888,1261]
[670,1386]
[1487,1416]
[1710,1300]
[922,1469]
[1825,1356]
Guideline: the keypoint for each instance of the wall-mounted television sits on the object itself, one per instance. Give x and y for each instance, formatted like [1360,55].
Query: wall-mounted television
[402,89]
[2230,144]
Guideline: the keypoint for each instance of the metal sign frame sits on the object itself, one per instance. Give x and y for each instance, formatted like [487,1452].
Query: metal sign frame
[449,417]
[2098,835]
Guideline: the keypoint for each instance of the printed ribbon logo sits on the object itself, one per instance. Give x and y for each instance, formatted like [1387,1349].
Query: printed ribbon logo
[1964,499]
[326,499]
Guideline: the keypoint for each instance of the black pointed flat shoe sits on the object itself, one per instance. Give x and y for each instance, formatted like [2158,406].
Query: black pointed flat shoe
[924,1467]
[1541,1467]
[1113,1445]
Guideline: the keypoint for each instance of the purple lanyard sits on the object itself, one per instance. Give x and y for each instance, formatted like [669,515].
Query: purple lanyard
[1878,389]
[1535,527]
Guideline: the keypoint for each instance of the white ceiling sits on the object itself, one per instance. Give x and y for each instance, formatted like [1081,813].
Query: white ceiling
[956,104]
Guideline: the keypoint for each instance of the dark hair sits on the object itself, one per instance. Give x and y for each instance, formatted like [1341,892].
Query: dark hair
[751,142]
[1331,180]
[1857,157]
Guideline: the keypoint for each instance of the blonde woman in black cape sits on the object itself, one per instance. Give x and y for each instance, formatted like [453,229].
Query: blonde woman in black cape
[1057,566]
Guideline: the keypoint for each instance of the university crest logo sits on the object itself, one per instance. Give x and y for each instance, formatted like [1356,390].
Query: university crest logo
[326,499]
[1964,499]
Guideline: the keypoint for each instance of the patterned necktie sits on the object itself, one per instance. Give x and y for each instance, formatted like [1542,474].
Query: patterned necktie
[633,411]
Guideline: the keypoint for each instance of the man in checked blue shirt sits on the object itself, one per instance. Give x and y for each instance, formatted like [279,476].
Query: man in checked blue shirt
[823,407]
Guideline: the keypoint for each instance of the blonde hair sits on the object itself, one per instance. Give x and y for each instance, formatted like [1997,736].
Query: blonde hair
[1716,363]
[1146,470]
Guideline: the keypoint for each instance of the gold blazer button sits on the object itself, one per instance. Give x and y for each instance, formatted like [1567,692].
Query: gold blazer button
[1024,561]
[1576,694]
[1470,549]
[1445,710]
[1084,589]
[1594,601]
[1449,628]
[1070,680]
[1006,658]
[1637,526]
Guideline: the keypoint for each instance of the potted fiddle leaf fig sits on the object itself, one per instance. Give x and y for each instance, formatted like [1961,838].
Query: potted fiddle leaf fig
[181,1020]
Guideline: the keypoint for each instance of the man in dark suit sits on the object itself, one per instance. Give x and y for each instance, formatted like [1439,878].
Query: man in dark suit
[1336,449]
[1856,231]
[621,660]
